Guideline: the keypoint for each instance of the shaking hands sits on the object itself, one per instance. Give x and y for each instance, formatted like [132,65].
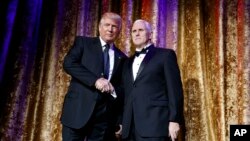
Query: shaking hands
[104,85]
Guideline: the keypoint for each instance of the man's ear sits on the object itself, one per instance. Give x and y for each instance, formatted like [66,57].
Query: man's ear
[150,35]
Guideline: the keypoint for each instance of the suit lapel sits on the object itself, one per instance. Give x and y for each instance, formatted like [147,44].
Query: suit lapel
[130,69]
[117,60]
[97,59]
[145,61]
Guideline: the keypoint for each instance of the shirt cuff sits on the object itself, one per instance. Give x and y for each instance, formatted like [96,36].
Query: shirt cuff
[114,94]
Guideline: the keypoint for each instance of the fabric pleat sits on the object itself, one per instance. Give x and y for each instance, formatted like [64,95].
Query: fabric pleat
[210,37]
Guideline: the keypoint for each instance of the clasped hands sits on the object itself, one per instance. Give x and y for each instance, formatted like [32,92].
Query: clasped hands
[104,85]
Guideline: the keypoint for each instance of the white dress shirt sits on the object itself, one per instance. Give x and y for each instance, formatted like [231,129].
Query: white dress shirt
[111,60]
[137,61]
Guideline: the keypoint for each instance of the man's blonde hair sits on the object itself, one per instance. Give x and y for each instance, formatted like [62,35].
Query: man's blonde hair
[113,16]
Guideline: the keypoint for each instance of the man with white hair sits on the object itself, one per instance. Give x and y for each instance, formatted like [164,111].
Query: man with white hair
[153,104]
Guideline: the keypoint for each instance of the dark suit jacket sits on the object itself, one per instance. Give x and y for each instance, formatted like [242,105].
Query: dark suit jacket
[155,97]
[84,63]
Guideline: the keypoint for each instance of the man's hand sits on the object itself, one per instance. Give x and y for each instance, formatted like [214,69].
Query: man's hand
[118,133]
[173,128]
[104,85]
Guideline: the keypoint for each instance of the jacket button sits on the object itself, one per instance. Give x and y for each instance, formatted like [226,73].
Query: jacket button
[134,85]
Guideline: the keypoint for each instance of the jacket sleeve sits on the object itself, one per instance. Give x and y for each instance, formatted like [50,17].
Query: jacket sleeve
[72,63]
[174,87]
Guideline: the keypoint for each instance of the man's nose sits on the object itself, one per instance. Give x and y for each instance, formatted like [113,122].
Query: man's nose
[136,33]
[110,28]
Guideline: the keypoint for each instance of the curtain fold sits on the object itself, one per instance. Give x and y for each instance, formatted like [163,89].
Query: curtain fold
[211,39]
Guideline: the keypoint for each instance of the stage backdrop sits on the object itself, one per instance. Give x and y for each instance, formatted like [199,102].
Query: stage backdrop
[211,39]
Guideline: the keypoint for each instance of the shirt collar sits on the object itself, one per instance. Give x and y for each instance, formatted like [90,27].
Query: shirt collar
[103,43]
[149,44]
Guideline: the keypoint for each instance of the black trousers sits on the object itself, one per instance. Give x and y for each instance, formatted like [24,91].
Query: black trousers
[135,136]
[97,128]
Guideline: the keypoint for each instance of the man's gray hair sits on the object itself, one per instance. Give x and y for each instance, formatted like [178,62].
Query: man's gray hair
[146,23]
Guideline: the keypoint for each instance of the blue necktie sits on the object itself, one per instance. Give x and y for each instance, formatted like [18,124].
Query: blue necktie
[106,61]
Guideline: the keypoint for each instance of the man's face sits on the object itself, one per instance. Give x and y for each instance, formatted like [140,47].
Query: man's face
[140,35]
[109,30]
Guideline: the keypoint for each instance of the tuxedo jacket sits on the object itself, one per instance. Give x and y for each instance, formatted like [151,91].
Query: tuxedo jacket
[84,63]
[155,97]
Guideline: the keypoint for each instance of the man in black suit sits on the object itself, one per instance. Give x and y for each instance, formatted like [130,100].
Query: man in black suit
[94,64]
[153,104]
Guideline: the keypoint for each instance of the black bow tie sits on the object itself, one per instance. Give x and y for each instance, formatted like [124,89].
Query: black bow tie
[143,51]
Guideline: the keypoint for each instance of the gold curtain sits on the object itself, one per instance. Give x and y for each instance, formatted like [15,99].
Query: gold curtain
[213,53]
[211,39]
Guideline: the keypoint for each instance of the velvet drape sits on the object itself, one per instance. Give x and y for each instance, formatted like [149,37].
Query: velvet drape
[211,39]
